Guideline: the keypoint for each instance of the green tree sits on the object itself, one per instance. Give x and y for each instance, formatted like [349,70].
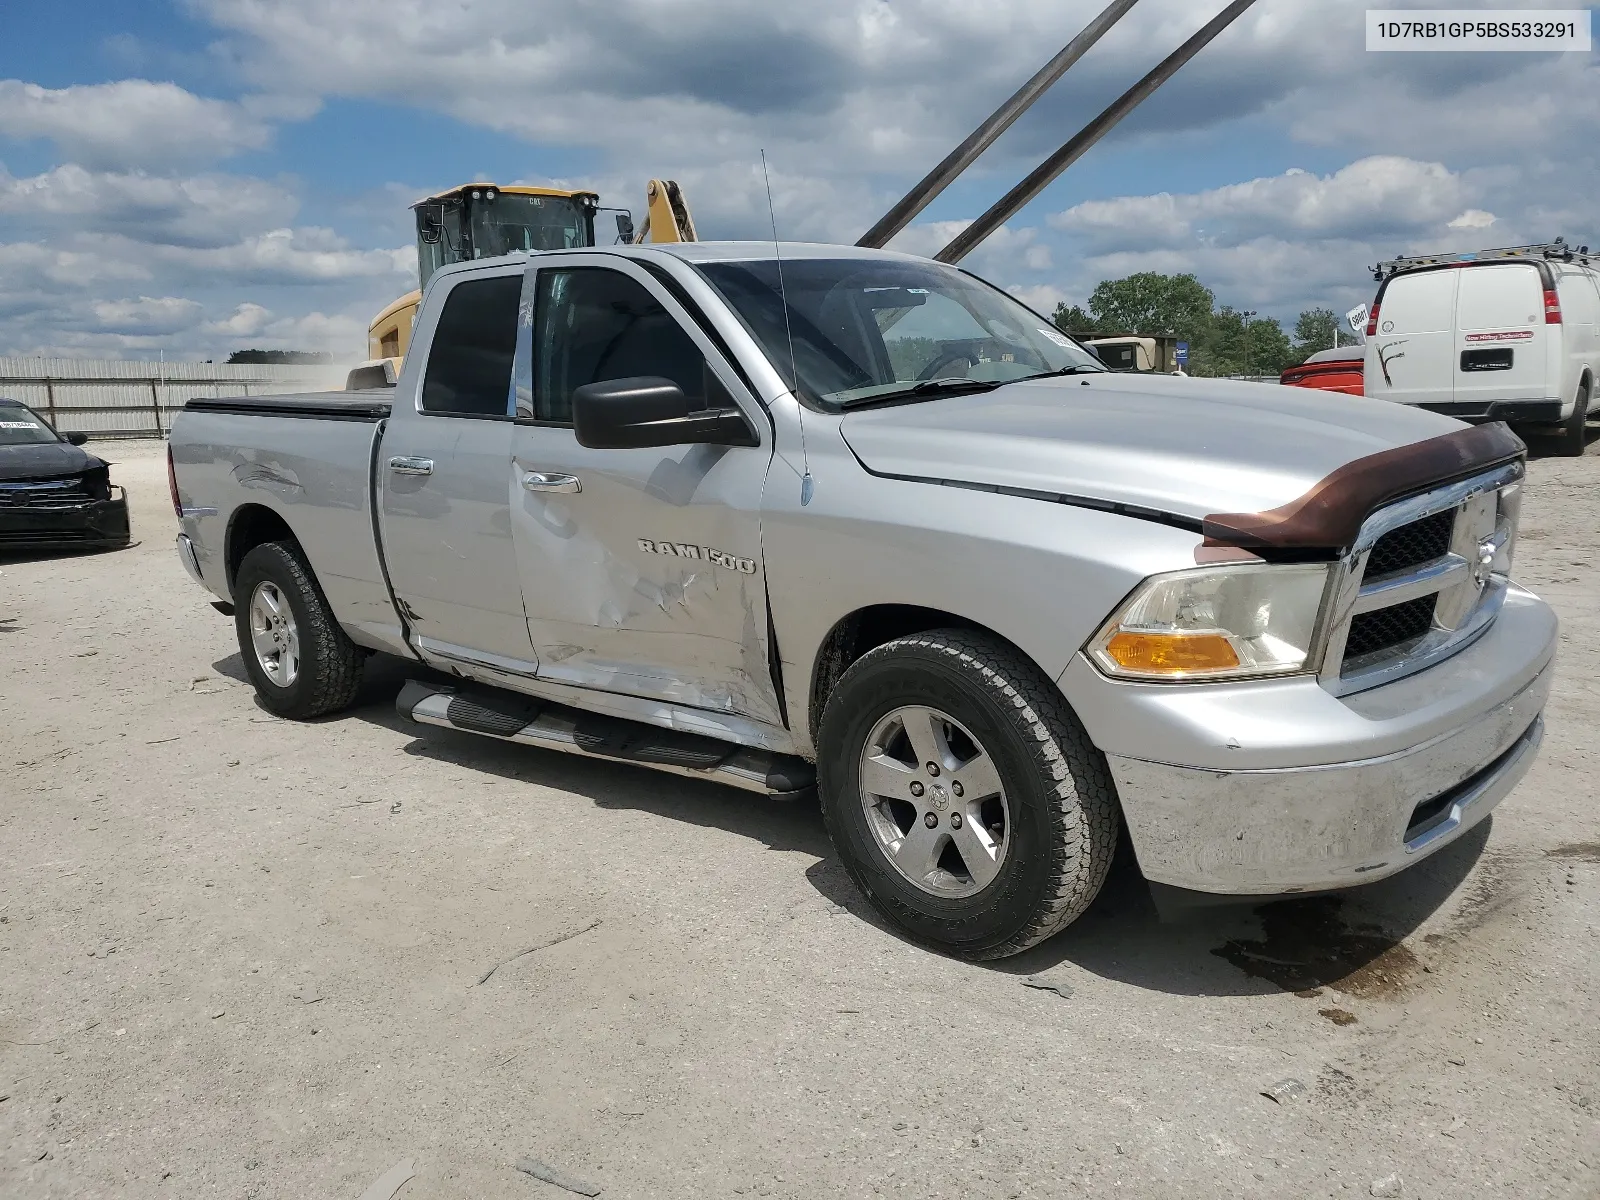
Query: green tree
[1070,318]
[1149,302]
[1240,345]
[290,357]
[1314,331]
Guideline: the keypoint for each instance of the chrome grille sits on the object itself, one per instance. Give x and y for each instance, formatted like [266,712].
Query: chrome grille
[1412,545]
[1389,628]
[1425,578]
[46,493]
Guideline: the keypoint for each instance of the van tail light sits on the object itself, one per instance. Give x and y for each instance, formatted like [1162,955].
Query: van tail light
[1372,320]
[172,484]
[1552,307]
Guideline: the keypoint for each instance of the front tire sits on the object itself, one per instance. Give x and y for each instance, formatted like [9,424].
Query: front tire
[963,795]
[300,661]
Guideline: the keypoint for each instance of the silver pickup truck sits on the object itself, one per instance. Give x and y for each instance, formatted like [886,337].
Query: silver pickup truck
[818,518]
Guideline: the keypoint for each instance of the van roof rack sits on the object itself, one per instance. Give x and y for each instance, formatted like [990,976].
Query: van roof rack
[1556,251]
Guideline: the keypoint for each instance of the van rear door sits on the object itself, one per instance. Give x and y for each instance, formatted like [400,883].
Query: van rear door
[1409,359]
[1501,337]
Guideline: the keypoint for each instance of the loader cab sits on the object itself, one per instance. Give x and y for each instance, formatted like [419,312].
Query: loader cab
[473,221]
[483,220]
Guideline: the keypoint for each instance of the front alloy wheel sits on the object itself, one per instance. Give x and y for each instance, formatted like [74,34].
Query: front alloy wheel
[962,793]
[934,801]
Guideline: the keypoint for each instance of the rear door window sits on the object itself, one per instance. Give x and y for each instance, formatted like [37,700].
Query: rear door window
[469,362]
[1500,297]
[1420,303]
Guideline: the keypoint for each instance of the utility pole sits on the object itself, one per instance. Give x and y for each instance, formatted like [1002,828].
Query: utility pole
[981,138]
[1046,172]
[1247,315]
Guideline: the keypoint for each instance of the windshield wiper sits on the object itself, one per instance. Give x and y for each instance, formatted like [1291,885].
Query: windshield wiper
[1080,369]
[928,388]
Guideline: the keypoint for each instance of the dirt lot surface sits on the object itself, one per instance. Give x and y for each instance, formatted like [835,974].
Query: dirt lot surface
[243,957]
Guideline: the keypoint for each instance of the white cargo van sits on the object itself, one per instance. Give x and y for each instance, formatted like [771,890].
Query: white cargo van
[1506,335]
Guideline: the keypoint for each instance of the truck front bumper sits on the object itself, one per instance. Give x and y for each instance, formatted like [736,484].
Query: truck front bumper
[1278,786]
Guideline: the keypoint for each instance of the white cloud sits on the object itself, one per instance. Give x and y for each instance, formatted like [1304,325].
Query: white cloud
[1041,297]
[201,210]
[134,122]
[247,320]
[303,255]
[147,315]
[340,334]
[1473,218]
[1378,195]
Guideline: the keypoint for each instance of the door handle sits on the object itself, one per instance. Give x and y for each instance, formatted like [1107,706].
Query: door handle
[411,466]
[548,481]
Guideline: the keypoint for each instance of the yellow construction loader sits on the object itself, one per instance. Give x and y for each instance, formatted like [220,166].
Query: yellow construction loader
[482,220]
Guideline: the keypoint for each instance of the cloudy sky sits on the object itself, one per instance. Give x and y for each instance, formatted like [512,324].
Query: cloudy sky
[192,177]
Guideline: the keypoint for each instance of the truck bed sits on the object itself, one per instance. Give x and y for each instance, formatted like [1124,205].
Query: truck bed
[307,459]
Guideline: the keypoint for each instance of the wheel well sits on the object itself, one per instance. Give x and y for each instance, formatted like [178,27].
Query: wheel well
[253,525]
[867,629]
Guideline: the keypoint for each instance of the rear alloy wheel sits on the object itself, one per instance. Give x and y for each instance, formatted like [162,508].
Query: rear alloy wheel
[300,661]
[963,795]
[273,634]
[1574,430]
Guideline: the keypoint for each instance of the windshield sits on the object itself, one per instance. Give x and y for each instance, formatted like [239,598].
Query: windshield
[512,222]
[869,328]
[508,223]
[19,427]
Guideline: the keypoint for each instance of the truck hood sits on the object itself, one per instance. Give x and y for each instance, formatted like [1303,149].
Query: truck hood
[44,461]
[1186,447]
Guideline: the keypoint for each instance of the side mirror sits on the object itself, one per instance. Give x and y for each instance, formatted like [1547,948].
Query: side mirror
[625,228]
[646,410]
[75,439]
[430,224]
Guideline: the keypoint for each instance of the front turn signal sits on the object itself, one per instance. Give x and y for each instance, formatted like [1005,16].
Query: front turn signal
[1167,653]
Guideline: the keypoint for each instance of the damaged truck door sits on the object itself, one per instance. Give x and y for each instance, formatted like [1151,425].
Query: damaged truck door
[441,478]
[641,565]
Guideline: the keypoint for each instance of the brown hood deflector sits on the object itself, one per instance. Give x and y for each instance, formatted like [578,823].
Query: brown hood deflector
[1329,516]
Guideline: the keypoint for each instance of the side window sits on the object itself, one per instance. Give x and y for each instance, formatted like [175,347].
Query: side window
[469,363]
[592,324]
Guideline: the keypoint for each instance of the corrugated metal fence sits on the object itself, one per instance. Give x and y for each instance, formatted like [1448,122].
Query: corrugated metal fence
[106,398]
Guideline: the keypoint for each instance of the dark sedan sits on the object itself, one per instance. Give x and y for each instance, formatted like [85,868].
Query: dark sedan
[54,495]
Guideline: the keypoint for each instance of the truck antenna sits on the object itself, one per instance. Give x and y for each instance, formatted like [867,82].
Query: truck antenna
[788,329]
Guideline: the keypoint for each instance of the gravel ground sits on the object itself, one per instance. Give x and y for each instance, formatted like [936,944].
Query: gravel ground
[247,958]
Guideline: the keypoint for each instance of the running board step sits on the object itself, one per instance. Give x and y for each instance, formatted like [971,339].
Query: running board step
[512,717]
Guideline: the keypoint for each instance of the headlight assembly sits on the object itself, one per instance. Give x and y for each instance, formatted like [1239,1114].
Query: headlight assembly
[1215,623]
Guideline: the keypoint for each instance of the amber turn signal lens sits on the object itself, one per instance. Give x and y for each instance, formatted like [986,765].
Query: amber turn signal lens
[1153,653]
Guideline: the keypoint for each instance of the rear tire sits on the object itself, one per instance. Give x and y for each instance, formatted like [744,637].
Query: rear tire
[1016,868]
[1574,430]
[300,661]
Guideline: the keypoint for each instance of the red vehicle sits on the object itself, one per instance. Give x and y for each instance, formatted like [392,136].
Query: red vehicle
[1332,370]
